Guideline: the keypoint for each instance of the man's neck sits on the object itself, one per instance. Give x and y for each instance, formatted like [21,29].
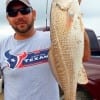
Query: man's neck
[22,36]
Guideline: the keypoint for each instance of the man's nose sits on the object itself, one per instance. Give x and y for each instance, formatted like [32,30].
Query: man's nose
[19,14]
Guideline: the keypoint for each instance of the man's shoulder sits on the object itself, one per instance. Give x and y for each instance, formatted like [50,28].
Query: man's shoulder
[5,40]
[44,34]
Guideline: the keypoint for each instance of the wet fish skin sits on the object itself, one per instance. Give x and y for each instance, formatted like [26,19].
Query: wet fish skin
[67,46]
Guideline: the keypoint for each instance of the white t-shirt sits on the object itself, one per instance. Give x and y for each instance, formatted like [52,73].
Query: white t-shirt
[26,71]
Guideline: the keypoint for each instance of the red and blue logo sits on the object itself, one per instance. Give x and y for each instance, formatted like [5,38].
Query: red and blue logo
[26,59]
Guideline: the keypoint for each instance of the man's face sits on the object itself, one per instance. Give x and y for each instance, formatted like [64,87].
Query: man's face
[19,19]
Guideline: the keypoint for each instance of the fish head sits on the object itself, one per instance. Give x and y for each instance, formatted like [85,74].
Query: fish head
[71,6]
[63,4]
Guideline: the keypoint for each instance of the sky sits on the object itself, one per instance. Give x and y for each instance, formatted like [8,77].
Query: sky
[91,14]
[89,8]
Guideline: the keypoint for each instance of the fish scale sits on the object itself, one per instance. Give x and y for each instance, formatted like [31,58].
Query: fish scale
[67,46]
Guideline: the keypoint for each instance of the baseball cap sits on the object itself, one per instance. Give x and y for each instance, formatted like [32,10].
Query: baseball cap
[25,2]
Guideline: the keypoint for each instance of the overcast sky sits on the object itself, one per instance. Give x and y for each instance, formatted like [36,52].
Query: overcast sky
[91,12]
[89,8]
[37,4]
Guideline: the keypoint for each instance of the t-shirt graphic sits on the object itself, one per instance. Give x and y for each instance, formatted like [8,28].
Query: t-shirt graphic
[26,58]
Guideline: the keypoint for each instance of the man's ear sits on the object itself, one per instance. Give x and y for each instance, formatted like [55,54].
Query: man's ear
[34,14]
[7,18]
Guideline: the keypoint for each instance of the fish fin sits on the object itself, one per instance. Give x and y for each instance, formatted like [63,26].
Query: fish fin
[82,76]
[52,65]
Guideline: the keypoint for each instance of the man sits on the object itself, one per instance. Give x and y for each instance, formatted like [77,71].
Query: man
[24,57]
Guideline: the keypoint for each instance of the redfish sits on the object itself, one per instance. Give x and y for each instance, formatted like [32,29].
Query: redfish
[67,46]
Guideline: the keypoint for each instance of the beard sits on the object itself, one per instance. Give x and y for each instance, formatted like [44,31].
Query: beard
[23,28]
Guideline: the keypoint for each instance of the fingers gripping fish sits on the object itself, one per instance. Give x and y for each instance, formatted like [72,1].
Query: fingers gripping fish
[67,45]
